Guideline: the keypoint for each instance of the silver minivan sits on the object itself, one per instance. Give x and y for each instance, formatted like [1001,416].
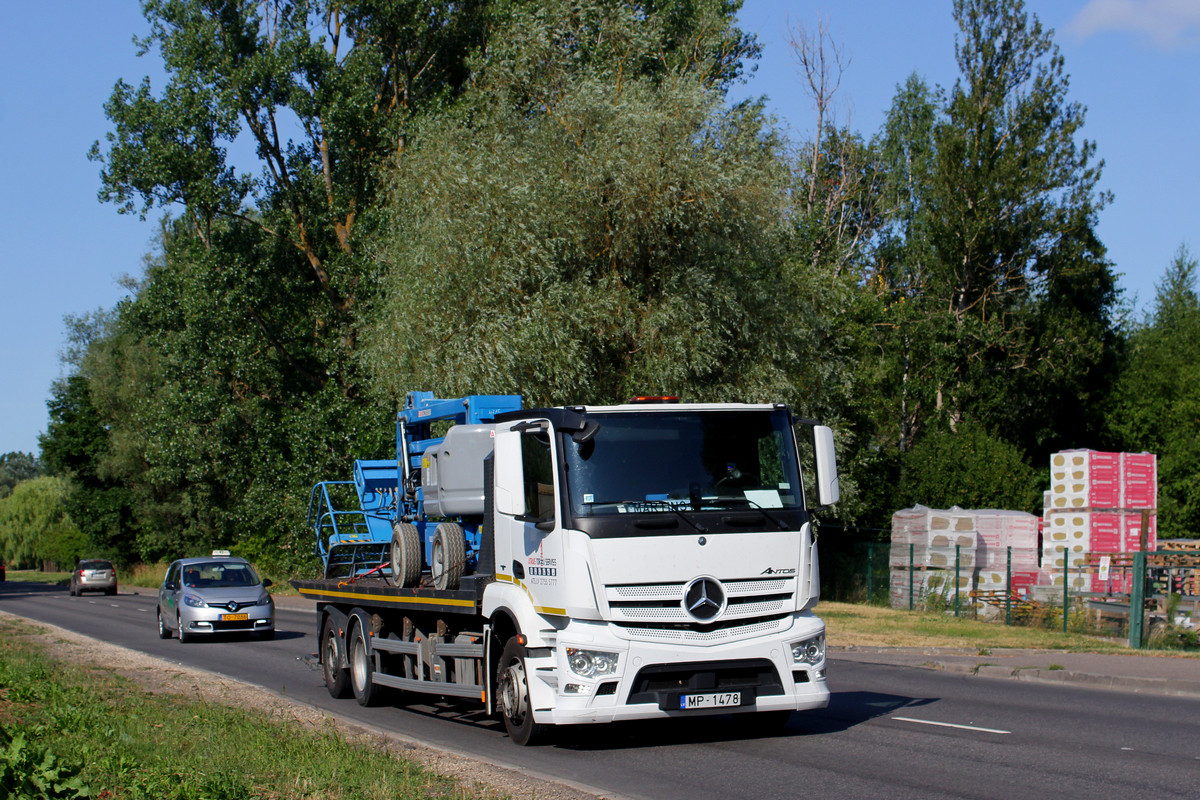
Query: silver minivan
[215,594]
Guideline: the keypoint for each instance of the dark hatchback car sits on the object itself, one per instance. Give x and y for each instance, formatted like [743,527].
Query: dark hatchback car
[93,575]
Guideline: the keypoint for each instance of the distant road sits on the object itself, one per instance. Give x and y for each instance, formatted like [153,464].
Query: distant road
[890,732]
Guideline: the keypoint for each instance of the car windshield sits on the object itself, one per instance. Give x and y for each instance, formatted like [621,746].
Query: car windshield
[684,461]
[95,565]
[218,574]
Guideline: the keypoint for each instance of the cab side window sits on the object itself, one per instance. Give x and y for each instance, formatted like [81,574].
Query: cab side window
[539,476]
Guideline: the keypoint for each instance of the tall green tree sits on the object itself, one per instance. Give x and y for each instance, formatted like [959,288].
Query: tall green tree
[998,303]
[1156,404]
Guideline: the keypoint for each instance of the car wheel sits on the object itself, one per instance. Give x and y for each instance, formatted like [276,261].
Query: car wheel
[337,679]
[110,592]
[71,591]
[163,631]
[184,636]
[267,635]
[512,685]
[362,669]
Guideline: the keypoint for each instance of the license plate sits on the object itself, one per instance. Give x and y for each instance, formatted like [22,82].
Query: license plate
[234,617]
[718,700]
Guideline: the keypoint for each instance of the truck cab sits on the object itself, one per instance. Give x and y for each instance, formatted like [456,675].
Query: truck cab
[658,560]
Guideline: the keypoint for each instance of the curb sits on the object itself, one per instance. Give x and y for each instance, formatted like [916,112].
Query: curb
[1137,685]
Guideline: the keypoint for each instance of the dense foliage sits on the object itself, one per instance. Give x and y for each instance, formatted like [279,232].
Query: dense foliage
[556,199]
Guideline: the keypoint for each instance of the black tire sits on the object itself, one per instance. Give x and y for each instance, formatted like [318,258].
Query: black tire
[512,688]
[362,668]
[266,635]
[163,631]
[110,592]
[405,555]
[448,556]
[71,590]
[184,636]
[337,678]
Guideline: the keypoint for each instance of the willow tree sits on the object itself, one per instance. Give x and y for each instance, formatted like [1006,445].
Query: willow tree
[591,221]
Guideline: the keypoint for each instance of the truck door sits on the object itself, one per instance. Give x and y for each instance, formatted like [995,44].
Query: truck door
[529,538]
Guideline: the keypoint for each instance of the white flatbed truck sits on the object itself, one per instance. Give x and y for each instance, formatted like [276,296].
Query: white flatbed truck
[652,559]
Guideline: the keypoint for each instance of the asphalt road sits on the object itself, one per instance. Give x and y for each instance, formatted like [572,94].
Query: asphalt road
[890,732]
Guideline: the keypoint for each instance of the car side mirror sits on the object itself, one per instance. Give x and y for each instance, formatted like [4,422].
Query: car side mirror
[170,587]
[267,583]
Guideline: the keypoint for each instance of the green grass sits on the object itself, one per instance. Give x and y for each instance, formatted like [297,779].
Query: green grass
[84,729]
[37,576]
[871,626]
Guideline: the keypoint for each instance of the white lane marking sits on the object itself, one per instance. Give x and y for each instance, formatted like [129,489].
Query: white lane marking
[949,725]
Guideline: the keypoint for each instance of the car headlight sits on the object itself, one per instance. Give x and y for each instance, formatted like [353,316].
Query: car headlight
[264,599]
[193,601]
[591,663]
[810,650]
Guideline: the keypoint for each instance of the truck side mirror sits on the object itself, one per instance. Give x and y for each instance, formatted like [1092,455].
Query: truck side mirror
[509,474]
[828,490]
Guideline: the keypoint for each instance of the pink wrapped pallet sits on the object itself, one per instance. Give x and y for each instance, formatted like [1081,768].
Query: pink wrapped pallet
[1139,480]
[1085,479]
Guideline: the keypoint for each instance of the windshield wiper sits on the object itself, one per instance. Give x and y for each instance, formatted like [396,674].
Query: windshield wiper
[725,502]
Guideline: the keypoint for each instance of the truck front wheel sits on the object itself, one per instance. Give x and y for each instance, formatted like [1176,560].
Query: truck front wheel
[512,685]
[337,680]
[362,668]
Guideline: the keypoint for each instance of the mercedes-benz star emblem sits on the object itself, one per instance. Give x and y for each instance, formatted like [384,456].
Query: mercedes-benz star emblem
[704,599]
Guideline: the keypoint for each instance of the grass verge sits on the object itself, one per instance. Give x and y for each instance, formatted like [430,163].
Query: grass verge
[851,625]
[73,731]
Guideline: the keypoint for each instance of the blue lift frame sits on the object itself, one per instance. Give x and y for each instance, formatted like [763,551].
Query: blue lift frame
[354,542]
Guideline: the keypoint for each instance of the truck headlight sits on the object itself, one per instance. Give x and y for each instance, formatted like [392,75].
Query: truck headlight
[591,663]
[810,650]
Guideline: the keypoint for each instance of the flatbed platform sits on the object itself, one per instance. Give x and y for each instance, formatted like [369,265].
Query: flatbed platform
[378,592]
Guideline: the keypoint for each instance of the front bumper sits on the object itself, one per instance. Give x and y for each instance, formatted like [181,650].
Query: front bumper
[217,620]
[652,676]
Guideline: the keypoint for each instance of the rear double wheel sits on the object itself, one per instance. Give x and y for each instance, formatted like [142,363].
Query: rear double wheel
[512,685]
[362,667]
[337,678]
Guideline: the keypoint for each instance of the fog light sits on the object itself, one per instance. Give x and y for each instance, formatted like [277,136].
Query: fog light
[577,688]
[591,663]
[810,650]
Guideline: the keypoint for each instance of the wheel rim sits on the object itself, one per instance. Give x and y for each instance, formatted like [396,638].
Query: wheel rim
[331,654]
[513,698]
[437,557]
[358,663]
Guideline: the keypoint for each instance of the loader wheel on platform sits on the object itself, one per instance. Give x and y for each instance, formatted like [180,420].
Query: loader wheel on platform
[512,686]
[405,555]
[448,556]
[362,668]
[337,679]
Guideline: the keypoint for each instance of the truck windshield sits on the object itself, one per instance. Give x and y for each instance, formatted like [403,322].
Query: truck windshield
[684,461]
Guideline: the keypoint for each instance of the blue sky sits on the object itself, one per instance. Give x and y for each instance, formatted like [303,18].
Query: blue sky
[1135,65]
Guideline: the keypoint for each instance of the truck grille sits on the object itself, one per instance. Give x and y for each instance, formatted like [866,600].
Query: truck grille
[695,634]
[656,611]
